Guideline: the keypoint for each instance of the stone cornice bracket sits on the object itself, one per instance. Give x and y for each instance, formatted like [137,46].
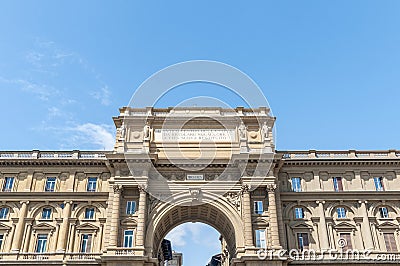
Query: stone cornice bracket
[245,189]
[117,189]
[271,187]
[142,188]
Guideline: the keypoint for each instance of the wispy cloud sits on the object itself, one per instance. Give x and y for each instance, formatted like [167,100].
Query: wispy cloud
[103,95]
[100,135]
[42,91]
[192,233]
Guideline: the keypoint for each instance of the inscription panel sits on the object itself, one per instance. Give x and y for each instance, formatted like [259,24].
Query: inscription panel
[188,135]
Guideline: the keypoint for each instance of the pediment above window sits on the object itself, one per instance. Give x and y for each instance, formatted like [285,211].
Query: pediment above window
[43,227]
[87,227]
[388,225]
[4,227]
[301,226]
[344,226]
[129,221]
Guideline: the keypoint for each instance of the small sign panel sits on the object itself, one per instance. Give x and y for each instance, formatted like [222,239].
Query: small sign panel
[195,177]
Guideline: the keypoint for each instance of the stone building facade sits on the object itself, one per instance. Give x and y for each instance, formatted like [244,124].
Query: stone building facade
[108,208]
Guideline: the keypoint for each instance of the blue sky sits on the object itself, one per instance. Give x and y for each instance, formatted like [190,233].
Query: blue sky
[329,69]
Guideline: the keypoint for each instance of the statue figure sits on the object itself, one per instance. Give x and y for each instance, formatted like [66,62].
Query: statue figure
[242,131]
[146,131]
[122,131]
[265,131]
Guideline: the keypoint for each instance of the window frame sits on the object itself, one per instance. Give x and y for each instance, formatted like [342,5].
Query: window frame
[86,244]
[128,210]
[303,238]
[299,210]
[341,214]
[2,215]
[39,240]
[296,186]
[49,212]
[7,187]
[337,183]
[90,182]
[348,239]
[381,212]
[378,182]
[129,239]
[390,242]
[260,238]
[256,205]
[53,189]
[90,210]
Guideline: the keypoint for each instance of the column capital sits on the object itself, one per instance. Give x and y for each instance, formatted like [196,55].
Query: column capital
[142,188]
[245,188]
[320,202]
[117,189]
[271,187]
[26,202]
[68,202]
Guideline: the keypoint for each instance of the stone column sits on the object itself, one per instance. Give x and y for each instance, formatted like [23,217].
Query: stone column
[368,243]
[71,242]
[115,216]
[248,228]
[324,242]
[281,226]
[28,237]
[141,216]
[19,229]
[62,241]
[273,218]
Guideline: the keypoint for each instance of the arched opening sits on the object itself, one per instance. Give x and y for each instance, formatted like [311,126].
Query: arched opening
[198,242]
[215,213]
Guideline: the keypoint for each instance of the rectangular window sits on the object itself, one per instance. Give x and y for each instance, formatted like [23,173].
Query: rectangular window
[41,243]
[50,184]
[341,212]
[390,242]
[8,184]
[89,213]
[347,241]
[86,243]
[337,184]
[296,184]
[384,212]
[92,183]
[258,207]
[128,239]
[1,241]
[378,181]
[46,213]
[302,241]
[299,213]
[4,213]
[130,207]
[260,239]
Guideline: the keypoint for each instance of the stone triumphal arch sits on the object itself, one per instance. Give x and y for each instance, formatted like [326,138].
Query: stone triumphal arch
[211,165]
[194,165]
